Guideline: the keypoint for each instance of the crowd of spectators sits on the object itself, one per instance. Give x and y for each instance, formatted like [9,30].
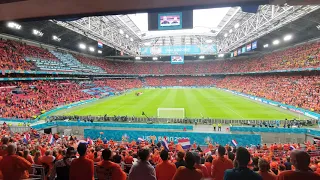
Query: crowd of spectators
[27,99]
[300,91]
[179,81]
[68,157]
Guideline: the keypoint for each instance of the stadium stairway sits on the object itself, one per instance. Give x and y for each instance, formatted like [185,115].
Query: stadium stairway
[74,64]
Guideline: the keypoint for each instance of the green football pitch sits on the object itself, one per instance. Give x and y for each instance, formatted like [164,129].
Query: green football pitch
[197,103]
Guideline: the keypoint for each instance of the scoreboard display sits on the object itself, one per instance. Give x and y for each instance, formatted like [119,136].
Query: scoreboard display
[170,20]
[177,59]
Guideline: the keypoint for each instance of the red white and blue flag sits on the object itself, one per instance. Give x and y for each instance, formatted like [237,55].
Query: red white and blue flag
[185,143]
[234,142]
[165,143]
[26,138]
[140,140]
[100,45]
[51,139]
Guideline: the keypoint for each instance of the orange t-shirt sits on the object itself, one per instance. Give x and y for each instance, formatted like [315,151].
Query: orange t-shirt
[110,170]
[48,160]
[14,167]
[203,169]
[294,175]
[208,166]
[128,160]
[267,176]
[81,169]
[165,171]
[219,165]
[184,173]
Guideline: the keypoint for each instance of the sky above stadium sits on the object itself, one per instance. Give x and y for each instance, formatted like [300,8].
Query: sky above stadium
[203,21]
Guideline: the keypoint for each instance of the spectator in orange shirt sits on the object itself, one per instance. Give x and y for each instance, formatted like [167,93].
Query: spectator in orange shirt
[27,156]
[264,170]
[82,168]
[12,166]
[3,148]
[188,172]
[109,170]
[300,161]
[201,167]
[220,164]
[208,164]
[47,162]
[165,170]
[37,158]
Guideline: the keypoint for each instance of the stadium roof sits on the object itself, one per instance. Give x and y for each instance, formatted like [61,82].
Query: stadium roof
[127,33]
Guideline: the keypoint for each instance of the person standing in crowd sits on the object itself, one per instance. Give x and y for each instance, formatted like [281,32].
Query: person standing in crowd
[288,164]
[301,161]
[47,162]
[165,170]
[4,145]
[82,168]
[241,172]
[116,158]
[14,167]
[264,170]
[188,171]
[208,164]
[143,169]
[220,164]
[180,161]
[199,166]
[109,170]
[61,168]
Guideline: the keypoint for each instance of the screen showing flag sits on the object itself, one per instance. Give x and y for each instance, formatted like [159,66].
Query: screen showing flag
[239,51]
[249,47]
[243,49]
[100,45]
[177,59]
[254,45]
[170,21]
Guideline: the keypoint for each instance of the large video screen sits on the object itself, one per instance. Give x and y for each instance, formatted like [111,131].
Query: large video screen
[243,49]
[249,47]
[254,45]
[170,20]
[177,59]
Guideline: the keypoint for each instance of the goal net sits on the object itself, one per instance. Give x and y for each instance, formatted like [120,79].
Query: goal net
[171,113]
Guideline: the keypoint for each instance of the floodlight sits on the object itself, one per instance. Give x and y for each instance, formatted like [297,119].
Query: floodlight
[14,25]
[99,51]
[230,31]
[82,46]
[209,41]
[226,35]
[276,42]
[121,31]
[201,57]
[266,45]
[37,33]
[154,58]
[138,58]
[147,43]
[56,38]
[287,37]
[91,49]
[236,25]
[131,39]
[127,36]
[221,55]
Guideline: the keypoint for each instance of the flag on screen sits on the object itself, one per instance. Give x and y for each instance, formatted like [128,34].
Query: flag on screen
[234,142]
[185,143]
[90,142]
[51,139]
[165,143]
[26,138]
[100,45]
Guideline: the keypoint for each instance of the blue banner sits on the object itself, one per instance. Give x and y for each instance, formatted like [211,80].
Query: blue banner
[199,138]
[179,50]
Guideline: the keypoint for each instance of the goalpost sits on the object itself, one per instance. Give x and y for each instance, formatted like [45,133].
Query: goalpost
[171,113]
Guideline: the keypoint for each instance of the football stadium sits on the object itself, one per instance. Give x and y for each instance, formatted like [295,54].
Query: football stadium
[161,90]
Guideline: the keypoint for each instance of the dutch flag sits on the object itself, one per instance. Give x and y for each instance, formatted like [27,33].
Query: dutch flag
[100,45]
[234,142]
[165,143]
[51,139]
[26,138]
[185,143]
